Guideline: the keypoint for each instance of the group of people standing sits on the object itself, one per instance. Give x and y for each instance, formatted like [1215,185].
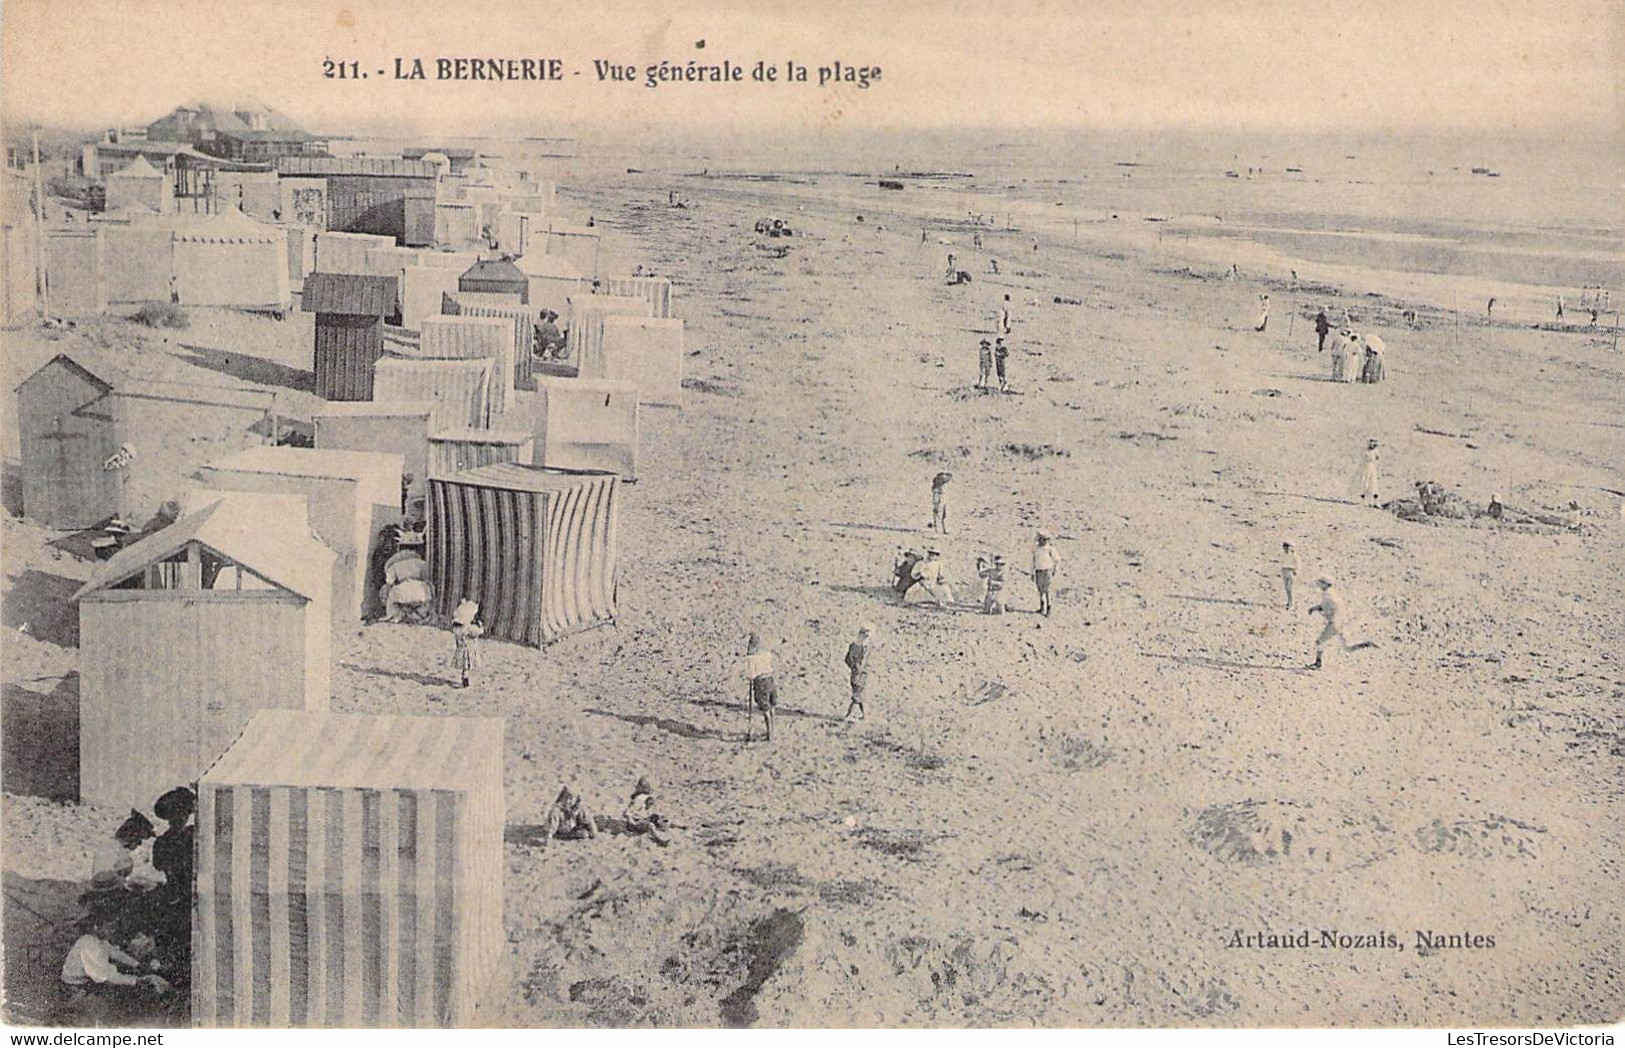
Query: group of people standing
[1356,357]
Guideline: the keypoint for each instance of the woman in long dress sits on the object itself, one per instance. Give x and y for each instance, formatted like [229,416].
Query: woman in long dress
[1372,370]
[1370,487]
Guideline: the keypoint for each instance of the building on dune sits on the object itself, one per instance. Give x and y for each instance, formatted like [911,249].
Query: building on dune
[379,195]
[236,595]
[98,443]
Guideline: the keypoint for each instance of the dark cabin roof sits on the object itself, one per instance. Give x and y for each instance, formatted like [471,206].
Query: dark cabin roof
[495,271]
[349,293]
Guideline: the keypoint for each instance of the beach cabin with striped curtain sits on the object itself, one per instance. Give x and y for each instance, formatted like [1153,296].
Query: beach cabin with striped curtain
[349,873]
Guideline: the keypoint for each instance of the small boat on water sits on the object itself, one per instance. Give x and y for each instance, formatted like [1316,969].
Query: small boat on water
[1295,170]
[1232,174]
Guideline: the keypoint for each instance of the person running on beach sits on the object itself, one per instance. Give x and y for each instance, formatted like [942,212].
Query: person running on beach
[1336,614]
[939,500]
[1323,326]
[928,576]
[763,693]
[857,663]
[1001,353]
[1290,566]
[984,360]
[1370,488]
[1045,561]
[1263,313]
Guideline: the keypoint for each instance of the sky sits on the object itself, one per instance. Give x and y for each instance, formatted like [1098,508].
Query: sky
[1504,66]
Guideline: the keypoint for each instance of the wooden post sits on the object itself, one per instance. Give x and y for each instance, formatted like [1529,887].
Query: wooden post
[39,233]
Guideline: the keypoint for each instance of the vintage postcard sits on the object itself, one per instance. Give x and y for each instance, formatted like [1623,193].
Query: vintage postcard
[785,514]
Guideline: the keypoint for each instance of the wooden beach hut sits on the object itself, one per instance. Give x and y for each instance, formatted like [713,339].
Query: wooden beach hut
[583,423]
[351,496]
[350,312]
[187,633]
[98,443]
[349,873]
[496,277]
[423,289]
[535,547]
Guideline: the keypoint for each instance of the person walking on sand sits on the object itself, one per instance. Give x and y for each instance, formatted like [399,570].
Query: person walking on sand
[1489,310]
[1332,608]
[857,664]
[1323,326]
[1560,307]
[939,502]
[1263,313]
[763,692]
[1002,325]
[928,576]
[1290,566]
[1045,561]
[1001,354]
[984,360]
[464,631]
[1370,488]
[993,594]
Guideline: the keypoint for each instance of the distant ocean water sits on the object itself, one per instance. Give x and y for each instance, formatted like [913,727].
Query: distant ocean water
[1552,216]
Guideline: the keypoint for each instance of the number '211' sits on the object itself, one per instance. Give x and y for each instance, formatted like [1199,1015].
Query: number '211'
[342,70]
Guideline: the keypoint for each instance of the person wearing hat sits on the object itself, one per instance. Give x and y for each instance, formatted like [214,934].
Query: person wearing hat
[763,692]
[1001,354]
[1045,561]
[992,573]
[928,576]
[464,631]
[857,663]
[1323,327]
[984,359]
[1331,606]
[939,501]
[125,859]
[640,814]
[1370,488]
[549,339]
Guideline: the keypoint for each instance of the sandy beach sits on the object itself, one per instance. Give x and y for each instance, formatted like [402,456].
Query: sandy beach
[1043,821]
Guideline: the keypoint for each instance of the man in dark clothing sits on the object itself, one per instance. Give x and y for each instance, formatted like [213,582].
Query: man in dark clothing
[1322,327]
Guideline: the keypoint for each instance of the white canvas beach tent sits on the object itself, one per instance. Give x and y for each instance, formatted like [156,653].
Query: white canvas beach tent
[349,873]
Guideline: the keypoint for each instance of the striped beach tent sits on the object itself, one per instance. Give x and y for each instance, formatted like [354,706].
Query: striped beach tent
[349,873]
[535,547]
